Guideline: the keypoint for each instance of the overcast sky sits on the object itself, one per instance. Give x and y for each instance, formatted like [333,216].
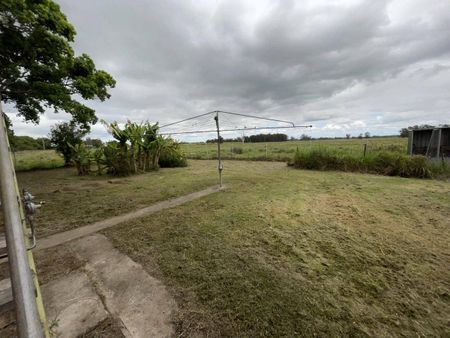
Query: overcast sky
[343,66]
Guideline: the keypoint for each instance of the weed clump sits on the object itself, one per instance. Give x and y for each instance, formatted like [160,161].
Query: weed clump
[172,159]
[237,150]
[384,163]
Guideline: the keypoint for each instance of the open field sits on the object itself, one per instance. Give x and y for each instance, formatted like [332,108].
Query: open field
[272,151]
[280,252]
[284,151]
[37,159]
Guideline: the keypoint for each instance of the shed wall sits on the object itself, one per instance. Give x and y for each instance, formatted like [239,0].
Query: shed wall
[445,142]
[421,139]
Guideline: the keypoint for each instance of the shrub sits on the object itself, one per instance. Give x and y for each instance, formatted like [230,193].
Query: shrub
[65,135]
[440,169]
[417,166]
[172,159]
[116,159]
[237,150]
[82,158]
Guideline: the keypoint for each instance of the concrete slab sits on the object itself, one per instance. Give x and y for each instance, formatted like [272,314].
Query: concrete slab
[72,305]
[139,301]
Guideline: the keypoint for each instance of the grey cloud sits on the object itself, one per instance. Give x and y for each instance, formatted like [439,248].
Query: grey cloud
[315,61]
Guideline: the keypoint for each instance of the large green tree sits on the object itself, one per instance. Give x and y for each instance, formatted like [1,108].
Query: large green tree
[64,137]
[38,67]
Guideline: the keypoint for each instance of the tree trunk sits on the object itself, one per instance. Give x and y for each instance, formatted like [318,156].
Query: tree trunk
[133,159]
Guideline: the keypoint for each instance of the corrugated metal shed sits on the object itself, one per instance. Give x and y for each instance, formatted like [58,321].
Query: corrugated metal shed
[432,142]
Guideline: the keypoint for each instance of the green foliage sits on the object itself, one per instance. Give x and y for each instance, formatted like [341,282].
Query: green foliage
[384,163]
[64,137]
[99,157]
[8,127]
[38,67]
[305,137]
[172,158]
[93,143]
[82,158]
[116,159]
[139,149]
[237,150]
[116,154]
[44,142]
[404,132]
[115,131]
[20,143]
[159,145]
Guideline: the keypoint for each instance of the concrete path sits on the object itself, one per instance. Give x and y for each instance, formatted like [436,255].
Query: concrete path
[110,284]
[138,301]
[72,305]
[70,235]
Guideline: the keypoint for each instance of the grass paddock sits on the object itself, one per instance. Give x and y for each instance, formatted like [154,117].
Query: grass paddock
[281,251]
[284,151]
[37,159]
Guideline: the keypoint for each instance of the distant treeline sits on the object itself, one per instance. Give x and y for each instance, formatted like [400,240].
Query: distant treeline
[19,143]
[254,138]
[284,137]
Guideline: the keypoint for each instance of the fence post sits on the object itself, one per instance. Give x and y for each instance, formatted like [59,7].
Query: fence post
[365,149]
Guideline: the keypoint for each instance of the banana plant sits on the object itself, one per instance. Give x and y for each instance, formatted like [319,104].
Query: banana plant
[141,147]
[82,158]
[119,134]
[122,137]
[135,133]
[159,145]
[99,158]
[149,136]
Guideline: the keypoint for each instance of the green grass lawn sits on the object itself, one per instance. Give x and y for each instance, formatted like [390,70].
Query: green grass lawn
[283,252]
[279,252]
[284,151]
[72,201]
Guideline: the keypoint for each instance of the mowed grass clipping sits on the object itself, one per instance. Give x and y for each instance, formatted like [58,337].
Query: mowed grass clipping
[284,253]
